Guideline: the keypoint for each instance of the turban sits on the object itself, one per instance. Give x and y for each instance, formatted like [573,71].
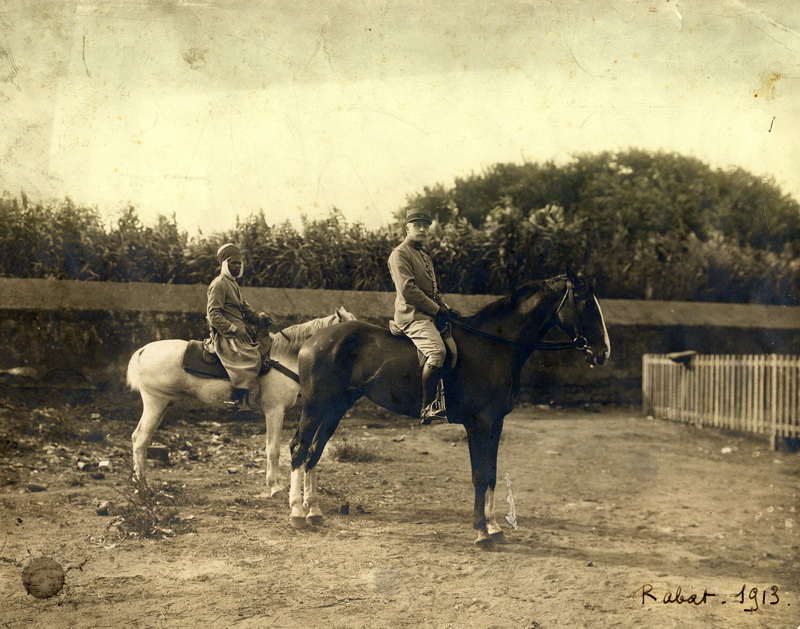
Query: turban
[228,251]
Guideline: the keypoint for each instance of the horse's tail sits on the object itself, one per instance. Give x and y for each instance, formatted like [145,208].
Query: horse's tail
[134,376]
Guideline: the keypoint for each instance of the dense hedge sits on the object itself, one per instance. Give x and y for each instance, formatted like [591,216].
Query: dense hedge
[630,257]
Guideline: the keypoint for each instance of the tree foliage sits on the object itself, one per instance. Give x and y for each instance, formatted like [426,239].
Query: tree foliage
[638,191]
[643,225]
[651,225]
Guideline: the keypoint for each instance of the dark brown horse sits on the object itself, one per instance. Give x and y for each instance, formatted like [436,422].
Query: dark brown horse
[340,364]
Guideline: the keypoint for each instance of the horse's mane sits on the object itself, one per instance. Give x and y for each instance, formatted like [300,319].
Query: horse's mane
[506,304]
[292,338]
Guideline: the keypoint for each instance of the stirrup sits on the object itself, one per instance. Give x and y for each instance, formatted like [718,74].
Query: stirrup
[431,414]
[436,411]
[231,405]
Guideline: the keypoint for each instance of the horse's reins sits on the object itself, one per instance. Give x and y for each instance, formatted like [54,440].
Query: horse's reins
[274,364]
[579,342]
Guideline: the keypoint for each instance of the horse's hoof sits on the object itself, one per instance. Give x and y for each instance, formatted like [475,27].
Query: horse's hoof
[500,537]
[486,543]
[315,520]
[279,494]
[297,522]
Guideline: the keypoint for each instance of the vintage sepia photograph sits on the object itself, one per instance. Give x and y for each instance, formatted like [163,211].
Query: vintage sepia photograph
[389,314]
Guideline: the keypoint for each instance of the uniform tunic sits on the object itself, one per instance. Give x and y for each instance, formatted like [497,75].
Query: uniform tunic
[418,299]
[228,312]
[418,296]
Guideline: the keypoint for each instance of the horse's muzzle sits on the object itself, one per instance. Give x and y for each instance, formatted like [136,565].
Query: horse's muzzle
[594,360]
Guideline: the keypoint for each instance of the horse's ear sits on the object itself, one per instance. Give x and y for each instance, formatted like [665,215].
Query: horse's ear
[571,275]
[339,314]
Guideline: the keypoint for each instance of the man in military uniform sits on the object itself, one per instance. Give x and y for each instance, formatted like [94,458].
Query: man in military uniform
[419,306]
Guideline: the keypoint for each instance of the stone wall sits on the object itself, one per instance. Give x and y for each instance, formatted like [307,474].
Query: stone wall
[93,328]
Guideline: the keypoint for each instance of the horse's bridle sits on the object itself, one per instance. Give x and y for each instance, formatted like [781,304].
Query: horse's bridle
[579,342]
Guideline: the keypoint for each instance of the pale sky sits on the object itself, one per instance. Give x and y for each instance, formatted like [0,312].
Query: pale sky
[213,109]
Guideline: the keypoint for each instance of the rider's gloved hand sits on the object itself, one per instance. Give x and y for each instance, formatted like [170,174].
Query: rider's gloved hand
[440,320]
[263,320]
[453,313]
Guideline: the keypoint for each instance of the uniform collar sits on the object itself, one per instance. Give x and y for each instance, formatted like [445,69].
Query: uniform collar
[414,244]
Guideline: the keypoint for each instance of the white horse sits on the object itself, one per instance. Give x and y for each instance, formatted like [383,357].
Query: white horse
[156,372]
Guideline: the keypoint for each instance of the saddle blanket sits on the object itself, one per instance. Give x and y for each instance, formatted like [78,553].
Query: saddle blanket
[198,362]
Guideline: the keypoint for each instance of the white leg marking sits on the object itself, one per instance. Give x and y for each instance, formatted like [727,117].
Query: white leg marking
[313,511]
[491,524]
[297,516]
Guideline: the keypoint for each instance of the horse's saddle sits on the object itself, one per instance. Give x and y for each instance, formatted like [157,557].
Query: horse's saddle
[200,362]
[449,342]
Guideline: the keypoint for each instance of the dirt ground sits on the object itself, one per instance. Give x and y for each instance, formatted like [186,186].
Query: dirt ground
[616,513]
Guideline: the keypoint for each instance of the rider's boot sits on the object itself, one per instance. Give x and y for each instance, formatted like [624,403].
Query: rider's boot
[253,400]
[431,410]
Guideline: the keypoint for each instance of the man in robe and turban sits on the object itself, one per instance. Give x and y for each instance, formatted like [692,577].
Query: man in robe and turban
[232,340]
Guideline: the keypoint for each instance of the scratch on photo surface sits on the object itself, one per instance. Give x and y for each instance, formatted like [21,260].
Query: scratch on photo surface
[83,56]
[372,19]
[775,25]
[775,39]
[187,177]
[230,133]
[511,518]
[320,45]
[389,114]
[578,63]
[8,67]
[678,15]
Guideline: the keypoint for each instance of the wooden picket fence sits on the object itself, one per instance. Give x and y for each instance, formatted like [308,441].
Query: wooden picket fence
[753,393]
